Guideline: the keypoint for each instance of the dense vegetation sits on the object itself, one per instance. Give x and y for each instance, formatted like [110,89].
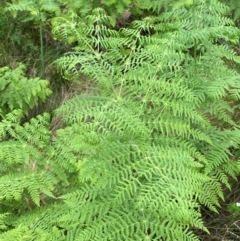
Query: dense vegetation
[119,120]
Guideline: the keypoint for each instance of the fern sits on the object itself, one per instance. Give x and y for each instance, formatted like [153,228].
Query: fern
[146,148]
[18,92]
[29,176]
[38,11]
[33,6]
[120,12]
[33,173]
[234,9]
[164,84]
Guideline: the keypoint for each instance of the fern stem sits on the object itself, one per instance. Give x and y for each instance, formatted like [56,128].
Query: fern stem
[195,44]
[41,40]
[41,49]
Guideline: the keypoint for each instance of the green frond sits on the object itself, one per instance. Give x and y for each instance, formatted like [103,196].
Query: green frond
[166,87]
[21,233]
[33,6]
[18,92]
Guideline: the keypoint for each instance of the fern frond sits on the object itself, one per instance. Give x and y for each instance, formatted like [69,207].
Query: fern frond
[18,92]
